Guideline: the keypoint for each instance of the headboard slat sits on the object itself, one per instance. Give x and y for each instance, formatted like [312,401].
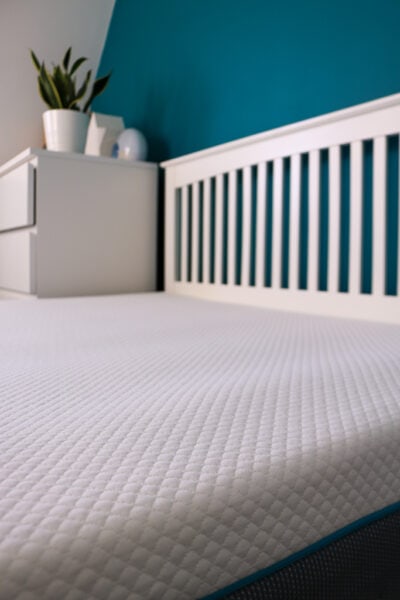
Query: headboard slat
[219,223]
[184,234]
[356,182]
[277,208]
[313,220]
[246,226]
[260,223]
[206,230]
[232,216]
[379,217]
[398,228]
[195,232]
[334,218]
[294,227]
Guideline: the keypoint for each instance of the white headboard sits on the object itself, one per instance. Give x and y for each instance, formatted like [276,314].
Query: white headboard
[280,219]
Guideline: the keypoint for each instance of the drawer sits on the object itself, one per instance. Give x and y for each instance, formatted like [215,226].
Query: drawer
[18,261]
[17,198]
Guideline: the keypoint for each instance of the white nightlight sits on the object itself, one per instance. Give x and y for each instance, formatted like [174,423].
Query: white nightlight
[132,145]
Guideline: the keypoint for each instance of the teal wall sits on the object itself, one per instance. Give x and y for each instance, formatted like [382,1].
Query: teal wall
[193,73]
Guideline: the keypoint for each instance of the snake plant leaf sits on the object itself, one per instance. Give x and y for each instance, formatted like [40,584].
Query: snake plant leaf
[35,61]
[82,90]
[77,64]
[43,94]
[50,88]
[67,58]
[71,84]
[98,88]
[65,86]
[60,84]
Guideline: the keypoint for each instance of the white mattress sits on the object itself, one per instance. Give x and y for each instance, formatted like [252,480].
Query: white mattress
[163,448]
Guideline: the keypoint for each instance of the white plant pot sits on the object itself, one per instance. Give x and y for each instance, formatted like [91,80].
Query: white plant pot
[65,130]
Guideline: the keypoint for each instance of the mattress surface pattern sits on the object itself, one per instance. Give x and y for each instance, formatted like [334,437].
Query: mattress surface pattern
[163,448]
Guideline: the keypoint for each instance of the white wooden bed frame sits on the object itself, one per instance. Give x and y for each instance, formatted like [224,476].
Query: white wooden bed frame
[208,170]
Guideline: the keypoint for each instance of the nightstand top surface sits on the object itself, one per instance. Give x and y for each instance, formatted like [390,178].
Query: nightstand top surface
[31,153]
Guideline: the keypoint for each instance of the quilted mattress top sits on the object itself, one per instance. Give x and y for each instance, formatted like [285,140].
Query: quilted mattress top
[163,448]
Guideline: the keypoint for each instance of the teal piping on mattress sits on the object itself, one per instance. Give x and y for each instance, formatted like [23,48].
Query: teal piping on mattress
[332,537]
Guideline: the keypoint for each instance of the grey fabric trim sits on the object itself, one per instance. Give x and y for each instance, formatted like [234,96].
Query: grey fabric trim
[364,565]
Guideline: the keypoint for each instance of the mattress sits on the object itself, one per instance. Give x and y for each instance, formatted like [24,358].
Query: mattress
[165,448]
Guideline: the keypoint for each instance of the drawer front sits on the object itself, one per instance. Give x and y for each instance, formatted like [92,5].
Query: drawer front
[17,261]
[17,198]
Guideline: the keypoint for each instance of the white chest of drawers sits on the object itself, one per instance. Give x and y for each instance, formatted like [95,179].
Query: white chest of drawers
[74,225]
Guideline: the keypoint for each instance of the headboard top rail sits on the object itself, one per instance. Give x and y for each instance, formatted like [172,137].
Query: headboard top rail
[334,117]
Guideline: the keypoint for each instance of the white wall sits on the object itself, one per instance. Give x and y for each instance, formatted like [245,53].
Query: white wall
[48,27]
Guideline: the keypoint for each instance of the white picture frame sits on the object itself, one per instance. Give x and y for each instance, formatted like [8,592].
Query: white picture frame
[102,134]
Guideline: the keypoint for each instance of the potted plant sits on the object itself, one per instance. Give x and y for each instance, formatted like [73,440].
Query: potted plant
[66,123]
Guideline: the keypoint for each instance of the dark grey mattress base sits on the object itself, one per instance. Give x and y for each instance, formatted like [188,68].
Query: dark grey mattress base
[363,565]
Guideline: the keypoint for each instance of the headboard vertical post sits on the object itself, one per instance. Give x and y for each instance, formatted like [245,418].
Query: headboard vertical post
[170,230]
